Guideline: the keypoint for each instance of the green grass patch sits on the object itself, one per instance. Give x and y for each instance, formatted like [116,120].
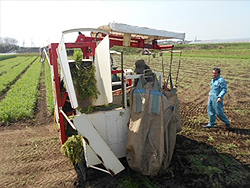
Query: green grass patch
[137,181]
[220,50]
[199,164]
[49,89]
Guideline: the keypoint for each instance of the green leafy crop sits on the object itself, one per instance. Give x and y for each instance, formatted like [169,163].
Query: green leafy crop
[84,80]
[73,148]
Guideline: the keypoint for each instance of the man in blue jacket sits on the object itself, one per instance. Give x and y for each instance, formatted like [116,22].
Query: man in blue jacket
[216,98]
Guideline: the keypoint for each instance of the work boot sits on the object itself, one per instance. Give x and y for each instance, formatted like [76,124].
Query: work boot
[209,126]
[228,125]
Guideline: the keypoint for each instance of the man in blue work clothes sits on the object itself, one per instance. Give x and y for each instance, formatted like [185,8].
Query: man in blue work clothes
[216,97]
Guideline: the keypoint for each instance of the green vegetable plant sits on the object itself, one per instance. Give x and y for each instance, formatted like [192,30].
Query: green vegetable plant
[20,101]
[7,79]
[84,81]
[73,149]
[8,64]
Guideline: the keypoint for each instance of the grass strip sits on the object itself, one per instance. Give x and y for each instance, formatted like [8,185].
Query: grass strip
[49,90]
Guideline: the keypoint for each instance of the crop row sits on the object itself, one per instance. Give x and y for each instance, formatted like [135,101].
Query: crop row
[3,57]
[10,63]
[6,80]
[49,91]
[21,99]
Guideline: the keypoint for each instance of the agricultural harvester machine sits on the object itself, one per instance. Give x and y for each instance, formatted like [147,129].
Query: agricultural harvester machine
[105,130]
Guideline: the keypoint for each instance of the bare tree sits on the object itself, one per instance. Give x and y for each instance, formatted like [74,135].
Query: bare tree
[8,40]
[7,44]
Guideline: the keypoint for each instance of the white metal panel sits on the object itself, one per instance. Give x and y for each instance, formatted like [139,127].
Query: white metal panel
[117,129]
[63,59]
[103,73]
[90,156]
[98,120]
[113,127]
[99,146]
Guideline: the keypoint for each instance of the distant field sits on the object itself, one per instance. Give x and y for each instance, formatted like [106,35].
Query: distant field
[228,50]
[2,56]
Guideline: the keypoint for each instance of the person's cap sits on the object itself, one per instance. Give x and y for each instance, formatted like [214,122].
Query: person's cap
[140,66]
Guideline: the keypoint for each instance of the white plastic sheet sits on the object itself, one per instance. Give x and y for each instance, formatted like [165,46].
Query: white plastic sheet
[103,73]
[63,60]
[97,144]
[142,31]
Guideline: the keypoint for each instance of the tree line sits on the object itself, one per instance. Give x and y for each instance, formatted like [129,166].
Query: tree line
[8,44]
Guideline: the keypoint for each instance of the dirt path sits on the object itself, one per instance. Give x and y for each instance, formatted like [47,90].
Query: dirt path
[30,152]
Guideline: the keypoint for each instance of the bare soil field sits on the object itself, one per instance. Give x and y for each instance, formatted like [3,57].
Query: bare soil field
[31,157]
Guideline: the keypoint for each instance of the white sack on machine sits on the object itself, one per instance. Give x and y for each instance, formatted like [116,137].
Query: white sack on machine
[152,135]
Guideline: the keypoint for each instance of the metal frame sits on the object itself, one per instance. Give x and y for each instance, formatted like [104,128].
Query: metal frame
[87,45]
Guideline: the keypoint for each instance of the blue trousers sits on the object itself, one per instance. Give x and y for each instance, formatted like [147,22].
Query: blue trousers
[215,108]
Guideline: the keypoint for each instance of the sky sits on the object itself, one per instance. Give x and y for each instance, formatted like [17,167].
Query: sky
[38,23]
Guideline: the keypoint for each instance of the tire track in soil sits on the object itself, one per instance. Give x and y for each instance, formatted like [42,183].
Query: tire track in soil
[32,156]
[52,180]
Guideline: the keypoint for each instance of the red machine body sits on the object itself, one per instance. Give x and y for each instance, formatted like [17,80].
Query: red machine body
[87,45]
